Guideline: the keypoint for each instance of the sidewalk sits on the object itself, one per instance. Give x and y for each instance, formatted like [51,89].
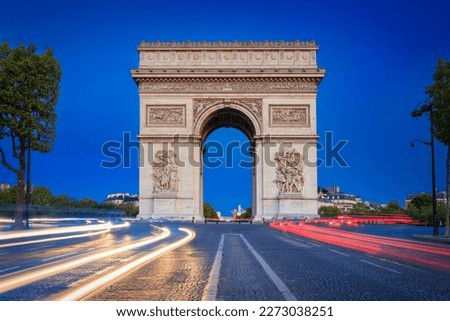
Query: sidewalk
[431,238]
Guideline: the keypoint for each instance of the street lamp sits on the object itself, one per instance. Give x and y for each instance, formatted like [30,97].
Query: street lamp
[28,187]
[428,108]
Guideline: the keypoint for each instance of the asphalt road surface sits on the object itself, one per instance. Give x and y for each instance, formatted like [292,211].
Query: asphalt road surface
[222,262]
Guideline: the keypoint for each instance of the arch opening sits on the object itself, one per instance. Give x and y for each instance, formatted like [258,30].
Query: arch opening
[228,117]
[227,181]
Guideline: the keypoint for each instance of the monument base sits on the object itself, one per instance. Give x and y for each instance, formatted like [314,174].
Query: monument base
[167,206]
[289,206]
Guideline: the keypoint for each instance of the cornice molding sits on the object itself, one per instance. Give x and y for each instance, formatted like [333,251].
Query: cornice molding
[158,79]
[227,44]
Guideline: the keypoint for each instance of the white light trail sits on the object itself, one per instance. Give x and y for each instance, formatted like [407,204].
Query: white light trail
[62,219]
[59,230]
[57,238]
[41,273]
[88,288]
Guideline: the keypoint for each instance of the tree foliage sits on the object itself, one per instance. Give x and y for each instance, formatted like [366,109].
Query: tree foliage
[393,207]
[42,195]
[361,208]
[209,211]
[421,209]
[8,196]
[439,94]
[64,200]
[88,202]
[328,211]
[421,202]
[44,202]
[29,90]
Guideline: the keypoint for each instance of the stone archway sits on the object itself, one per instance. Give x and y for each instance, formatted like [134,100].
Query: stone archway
[229,113]
[268,90]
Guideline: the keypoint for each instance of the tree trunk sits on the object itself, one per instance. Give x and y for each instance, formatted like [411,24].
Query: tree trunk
[20,198]
[447,208]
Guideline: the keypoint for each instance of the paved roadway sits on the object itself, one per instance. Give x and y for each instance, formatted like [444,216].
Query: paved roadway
[309,269]
[254,262]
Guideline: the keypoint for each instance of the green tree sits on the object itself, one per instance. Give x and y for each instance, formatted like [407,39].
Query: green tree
[42,196]
[421,202]
[209,211]
[328,211]
[8,196]
[29,90]
[247,213]
[360,208]
[87,202]
[130,209]
[393,207]
[64,200]
[420,208]
[439,94]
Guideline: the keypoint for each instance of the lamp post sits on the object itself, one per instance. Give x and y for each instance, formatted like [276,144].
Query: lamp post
[28,188]
[417,113]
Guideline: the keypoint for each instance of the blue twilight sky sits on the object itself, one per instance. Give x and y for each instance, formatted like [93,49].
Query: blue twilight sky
[379,56]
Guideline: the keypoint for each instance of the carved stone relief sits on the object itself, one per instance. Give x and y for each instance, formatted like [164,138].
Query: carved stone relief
[289,115]
[165,172]
[289,172]
[235,86]
[228,54]
[253,105]
[162,115]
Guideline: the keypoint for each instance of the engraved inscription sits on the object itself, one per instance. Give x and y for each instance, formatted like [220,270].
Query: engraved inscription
[160,115]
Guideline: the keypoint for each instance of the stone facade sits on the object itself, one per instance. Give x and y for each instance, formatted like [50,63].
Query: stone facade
[266,89]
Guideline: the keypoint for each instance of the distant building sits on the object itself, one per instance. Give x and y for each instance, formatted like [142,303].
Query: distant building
[373,206]
[238,212]
[334,189]
[343,201]
[441,197]
[122,198]
[4,186]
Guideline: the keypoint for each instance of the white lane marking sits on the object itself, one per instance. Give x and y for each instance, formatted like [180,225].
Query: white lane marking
[90,287]
[339,252]
[272,275]
[58,257]
[3,253]
[314,244]
[293,242]
[381,266]
[9,269]
[210,292]
[400,264]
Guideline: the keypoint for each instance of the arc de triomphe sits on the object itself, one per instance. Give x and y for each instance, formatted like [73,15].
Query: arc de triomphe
[266,89]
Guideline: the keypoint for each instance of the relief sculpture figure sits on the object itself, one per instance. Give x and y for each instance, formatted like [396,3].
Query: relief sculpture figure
[165,172]
[289,174]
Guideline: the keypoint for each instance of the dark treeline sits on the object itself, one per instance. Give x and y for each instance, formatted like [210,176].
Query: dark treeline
[44,202]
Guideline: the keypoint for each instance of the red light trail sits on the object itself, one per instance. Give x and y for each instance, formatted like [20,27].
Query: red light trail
[432,255]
